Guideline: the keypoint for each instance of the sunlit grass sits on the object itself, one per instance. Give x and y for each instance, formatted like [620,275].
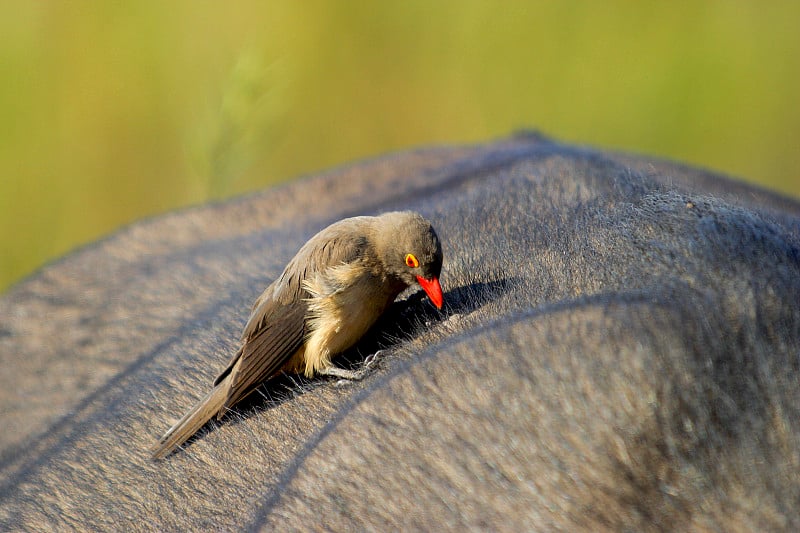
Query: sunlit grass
[114,111]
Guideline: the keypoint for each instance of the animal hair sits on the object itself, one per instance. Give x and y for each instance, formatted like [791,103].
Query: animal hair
[617,351]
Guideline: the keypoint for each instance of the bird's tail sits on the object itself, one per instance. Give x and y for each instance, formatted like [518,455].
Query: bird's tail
[192,421]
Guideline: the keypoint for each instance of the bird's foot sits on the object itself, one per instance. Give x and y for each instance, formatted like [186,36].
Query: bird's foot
[371,359]
[346,376]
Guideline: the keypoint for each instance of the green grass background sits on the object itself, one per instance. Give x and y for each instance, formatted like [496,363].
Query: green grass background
[111,111]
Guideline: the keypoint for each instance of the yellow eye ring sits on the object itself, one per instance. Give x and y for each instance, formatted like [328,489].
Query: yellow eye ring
[411,261]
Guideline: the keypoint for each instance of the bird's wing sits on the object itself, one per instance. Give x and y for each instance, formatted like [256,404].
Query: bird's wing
[266,351]
[342,242]
[276,328]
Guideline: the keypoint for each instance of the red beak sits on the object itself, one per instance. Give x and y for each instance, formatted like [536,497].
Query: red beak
[432,289]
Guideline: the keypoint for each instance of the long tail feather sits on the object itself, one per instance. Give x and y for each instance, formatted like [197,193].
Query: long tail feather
[192,421]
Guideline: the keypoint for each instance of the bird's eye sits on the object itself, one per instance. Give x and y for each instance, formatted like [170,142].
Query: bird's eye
[411,261]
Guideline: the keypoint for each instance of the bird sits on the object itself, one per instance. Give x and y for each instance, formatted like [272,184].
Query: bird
[330,293]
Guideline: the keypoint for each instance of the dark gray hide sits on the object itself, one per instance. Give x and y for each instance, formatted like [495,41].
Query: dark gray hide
[619,349]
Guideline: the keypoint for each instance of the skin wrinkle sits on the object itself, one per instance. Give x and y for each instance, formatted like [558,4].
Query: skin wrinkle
[30,458]
[404,367]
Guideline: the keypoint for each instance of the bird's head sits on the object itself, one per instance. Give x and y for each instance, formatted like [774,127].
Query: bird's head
[411,251]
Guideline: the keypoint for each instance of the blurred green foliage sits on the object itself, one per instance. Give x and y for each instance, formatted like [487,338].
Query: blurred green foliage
[111,111]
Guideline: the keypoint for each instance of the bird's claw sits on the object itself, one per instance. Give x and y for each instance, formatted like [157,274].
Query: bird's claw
[349,376]
[371,359]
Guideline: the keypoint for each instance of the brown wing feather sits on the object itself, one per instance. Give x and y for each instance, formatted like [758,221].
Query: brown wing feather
[263,354]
